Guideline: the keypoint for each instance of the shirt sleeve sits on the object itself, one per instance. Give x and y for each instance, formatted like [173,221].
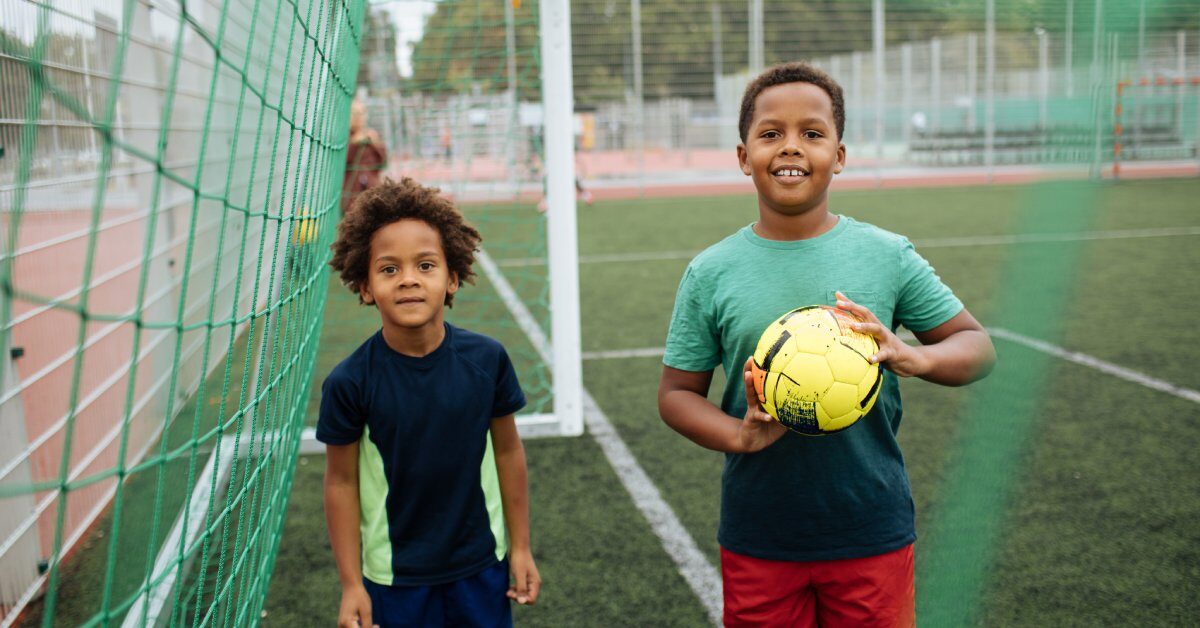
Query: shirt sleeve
[342,417]
[509,397]
[924,302]
[692,340]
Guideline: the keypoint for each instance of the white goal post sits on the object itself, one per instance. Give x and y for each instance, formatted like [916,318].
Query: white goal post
[563,354]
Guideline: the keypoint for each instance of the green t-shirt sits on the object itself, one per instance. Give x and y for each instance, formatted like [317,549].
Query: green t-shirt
[844,495]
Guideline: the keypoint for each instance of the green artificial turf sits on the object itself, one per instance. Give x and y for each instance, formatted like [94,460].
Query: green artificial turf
[1094,520]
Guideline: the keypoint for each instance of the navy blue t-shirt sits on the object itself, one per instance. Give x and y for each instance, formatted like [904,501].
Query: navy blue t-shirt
[428,489]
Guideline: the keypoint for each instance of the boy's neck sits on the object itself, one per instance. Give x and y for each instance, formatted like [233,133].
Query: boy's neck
[418,342]
[776,226]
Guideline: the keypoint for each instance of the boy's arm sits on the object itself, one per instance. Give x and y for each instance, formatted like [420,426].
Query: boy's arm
[957,352]
[514,494]
[342,516]
[684,405]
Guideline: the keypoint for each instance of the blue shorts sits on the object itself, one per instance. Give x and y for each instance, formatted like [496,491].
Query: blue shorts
[479,601]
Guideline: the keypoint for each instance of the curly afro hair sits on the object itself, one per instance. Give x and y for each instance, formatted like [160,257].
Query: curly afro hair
[794,72]
[391,201]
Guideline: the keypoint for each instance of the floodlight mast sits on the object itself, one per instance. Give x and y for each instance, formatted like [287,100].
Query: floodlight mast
[558,120]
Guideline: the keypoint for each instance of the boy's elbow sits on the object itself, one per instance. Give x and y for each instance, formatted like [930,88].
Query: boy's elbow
[989,363]
[341,467]
[986,361]
[665,405]
[337,484]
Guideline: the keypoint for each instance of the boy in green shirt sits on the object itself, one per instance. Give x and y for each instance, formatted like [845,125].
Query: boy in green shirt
[813,530]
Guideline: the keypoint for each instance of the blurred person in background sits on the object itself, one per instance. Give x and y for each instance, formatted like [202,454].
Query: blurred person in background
[366,156]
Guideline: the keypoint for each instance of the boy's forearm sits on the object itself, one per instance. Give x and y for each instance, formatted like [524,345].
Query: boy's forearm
[342,516]
[695,417]
[961,358]
[514,495]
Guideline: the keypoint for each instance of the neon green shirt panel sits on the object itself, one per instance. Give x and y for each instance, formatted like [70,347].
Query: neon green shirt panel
[373,518]
[489,479]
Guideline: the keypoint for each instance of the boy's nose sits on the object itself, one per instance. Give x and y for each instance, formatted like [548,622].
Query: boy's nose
[790,147]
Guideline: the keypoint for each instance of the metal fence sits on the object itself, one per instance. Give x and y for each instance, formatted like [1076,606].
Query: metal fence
[945,86]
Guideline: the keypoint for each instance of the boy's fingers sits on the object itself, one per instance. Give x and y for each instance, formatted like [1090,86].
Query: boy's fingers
[519,591]
[757,420]
[748,380]
[872,329]
[535,588]
[844,303]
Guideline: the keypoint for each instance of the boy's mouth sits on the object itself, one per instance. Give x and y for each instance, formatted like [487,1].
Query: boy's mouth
[790,174]
[409,300]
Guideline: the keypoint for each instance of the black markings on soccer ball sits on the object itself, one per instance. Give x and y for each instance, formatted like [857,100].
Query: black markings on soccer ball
[854,349]
[799,416]
[874,387]
[774,350]
[795,312]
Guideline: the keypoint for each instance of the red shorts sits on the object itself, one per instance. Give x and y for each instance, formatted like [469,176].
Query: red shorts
[872,591]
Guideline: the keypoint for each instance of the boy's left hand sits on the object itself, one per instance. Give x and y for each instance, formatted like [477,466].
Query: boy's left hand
[895,354]
[526,582]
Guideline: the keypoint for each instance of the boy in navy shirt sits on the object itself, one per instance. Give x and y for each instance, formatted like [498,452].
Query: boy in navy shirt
[425,484]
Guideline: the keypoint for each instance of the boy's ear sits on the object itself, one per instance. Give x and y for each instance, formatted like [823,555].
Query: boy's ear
[453,286]
[743,158]
[364,293]
[841,159]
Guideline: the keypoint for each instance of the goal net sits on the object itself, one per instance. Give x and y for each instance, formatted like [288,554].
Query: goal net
[169,184]
[170,181]
[464,99]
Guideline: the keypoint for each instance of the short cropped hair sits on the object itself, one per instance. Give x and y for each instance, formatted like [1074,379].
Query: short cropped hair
[793,72]
[392,201]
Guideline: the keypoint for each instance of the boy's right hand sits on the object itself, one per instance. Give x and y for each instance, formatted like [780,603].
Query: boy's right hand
[356,608]
[758,430]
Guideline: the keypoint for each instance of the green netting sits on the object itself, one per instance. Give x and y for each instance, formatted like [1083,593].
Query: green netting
[170,176]
[464,114]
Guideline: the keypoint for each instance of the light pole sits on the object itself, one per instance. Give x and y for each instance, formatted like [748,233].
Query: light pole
[757,59]
[1043,76]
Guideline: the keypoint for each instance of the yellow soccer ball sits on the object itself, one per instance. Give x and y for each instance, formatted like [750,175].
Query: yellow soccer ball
[812,371]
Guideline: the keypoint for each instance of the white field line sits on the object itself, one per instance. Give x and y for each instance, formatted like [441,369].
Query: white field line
[932,243]
[700,575]
[1108,368]
[160,584]
[648,352]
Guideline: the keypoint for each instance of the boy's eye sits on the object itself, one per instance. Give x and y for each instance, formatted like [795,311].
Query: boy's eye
[388,270]
[770,135]
[426,266]
[812,135]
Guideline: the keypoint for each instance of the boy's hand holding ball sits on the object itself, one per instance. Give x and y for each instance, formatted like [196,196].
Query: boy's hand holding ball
[898,356]
[758,430]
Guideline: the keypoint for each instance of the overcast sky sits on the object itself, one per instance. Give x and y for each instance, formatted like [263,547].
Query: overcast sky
[409,18]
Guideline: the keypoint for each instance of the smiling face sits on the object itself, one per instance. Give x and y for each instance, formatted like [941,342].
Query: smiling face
[792,149]
[408,278]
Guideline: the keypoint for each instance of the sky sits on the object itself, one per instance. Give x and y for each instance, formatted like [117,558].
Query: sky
[409,18]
